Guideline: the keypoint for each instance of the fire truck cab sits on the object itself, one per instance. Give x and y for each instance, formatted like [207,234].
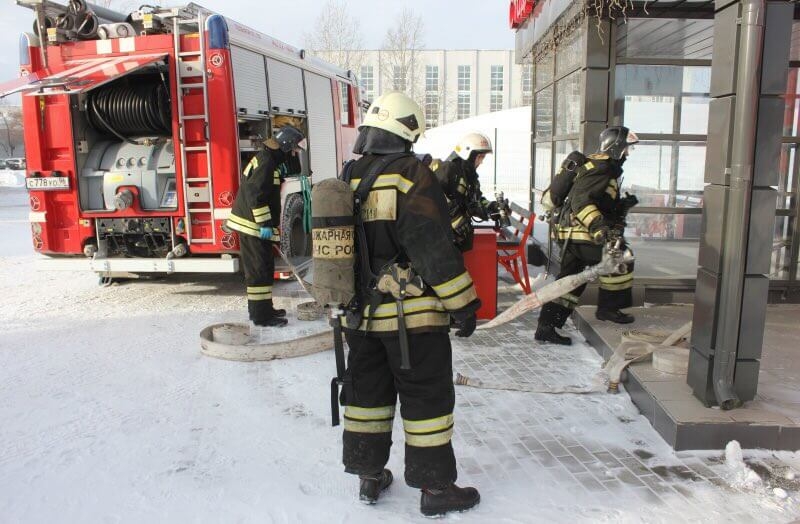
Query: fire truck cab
[136,135]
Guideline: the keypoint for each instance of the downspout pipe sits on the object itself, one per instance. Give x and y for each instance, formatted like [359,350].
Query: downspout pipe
[737,218]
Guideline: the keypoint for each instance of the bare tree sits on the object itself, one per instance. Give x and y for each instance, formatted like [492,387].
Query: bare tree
[336,37]
[401,60]
[11,136]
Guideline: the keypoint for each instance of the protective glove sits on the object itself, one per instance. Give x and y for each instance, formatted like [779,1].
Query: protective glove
[465,322]
[600,235]
[627,202]
[265,233]
[476,210]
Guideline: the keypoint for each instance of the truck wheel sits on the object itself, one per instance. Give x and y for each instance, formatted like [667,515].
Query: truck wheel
[295,242]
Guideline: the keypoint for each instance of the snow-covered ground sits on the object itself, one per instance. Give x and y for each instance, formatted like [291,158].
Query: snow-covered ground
[109,413]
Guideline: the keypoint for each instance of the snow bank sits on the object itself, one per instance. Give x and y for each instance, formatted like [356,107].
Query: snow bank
[510,132]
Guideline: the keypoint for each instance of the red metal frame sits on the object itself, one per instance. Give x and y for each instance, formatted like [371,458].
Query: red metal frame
[514,259]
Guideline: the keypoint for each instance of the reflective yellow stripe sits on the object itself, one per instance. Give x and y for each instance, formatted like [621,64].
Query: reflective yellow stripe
[379,413]
[612,192]
[253,164]
[460,300]
[429,441]
[616,287]
[428,425]
[418,320]
[462,187]
[569,297]
[429,433]
[276,177]
[410,305]
[259,289]
[566,304]
[454,285]
[372,426]
[259,297]
[573,233]
[434,165]
[616,279]
[457,222]
[398,182]
[243,226]
[588,214]
[261,214]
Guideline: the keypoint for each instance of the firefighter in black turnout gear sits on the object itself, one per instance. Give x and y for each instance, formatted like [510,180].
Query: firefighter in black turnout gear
[592,214]
[458,176]
[256,217]
[407,232]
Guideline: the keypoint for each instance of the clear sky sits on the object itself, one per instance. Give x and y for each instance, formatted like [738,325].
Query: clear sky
[449,24]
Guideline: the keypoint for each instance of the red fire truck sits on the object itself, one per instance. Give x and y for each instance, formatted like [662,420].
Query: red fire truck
[136,131]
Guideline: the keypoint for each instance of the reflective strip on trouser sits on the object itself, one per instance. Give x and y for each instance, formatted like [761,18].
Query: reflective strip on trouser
[256,293]
[368,420]
[616,291]
[568,301]
[428,433]
[616,282]
[258,264]
[427,399]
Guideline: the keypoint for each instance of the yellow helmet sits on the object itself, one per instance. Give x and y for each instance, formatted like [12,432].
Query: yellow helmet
[398,114]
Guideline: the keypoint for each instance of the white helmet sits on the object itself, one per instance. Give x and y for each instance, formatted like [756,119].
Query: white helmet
[477,142]
[398,114]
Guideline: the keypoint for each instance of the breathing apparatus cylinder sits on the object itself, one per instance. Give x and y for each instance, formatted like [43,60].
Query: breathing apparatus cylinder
[333,242]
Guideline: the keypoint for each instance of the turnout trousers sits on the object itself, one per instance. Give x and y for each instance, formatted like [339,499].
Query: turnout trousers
[427,398]
[615,290]
[258,263]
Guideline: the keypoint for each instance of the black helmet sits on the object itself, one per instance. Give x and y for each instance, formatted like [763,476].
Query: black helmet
[290,138]
[615,141]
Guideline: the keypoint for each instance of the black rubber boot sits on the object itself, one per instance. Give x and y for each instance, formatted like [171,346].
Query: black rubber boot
[437,502]
[549,334]
[271,321]
[371,486]
[278,312]
[613,315]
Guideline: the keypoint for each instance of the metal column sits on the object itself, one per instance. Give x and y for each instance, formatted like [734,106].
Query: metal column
[744,138]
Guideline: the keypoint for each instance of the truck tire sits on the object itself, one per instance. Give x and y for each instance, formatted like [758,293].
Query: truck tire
[295,242]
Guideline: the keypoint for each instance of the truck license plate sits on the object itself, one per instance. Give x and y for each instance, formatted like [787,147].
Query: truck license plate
[47,183]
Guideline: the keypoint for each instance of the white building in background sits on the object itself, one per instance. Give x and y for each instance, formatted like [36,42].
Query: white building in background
[451,84]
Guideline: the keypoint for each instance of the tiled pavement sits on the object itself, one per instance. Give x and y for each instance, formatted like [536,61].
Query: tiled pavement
[596,447]
[587,457]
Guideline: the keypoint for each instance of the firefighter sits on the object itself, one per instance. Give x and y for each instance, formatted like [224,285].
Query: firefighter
[458,176]
[592,214]
[256,215]
[407,232]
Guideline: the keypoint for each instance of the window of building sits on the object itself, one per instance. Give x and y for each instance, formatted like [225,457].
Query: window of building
[431,110]
[431,78]
[496,83]
[464,105]
[398,78]
[495,102]
[496,88]
[527,84]
[464,78]
[368,81]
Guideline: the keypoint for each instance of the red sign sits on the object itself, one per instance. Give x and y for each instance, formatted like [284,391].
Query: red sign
[519,11]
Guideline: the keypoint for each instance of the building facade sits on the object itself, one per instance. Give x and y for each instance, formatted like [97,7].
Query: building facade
[450,84]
